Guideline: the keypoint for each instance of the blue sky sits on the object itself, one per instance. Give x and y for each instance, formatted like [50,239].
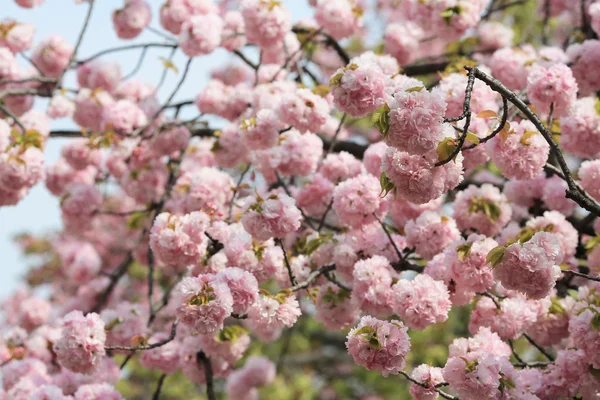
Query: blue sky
[39,211]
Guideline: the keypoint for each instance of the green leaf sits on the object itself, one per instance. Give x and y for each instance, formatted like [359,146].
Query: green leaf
[446,148]
[312,246]
[168,64]
[450,12]
[591,244]
[136,221]
[381,119]
[556,308]
[231,333]
[464,250]
[365,330]
[596,322]
[495,255]
[472,138]
[386,185]
[415,89]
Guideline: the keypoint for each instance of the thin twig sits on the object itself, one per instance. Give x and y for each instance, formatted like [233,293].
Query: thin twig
[466,115]
[580,197]
[312,277]
[441,393]
[335,136]
[324,216]
[123,48]
[388,234]
[245,59]
[159,385]
[13,116]
[204,361]
[86,23]
[287,262]
[149,346]
[498,129]
[333,280]
[138,65]
[237,186]
[537,346]
[579,274]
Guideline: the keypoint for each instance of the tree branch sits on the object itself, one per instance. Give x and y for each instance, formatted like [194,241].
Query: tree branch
[580,197]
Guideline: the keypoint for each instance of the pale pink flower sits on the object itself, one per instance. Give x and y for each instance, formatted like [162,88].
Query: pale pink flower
[304,110]
[523,154]
[358,89]
[275,216]
[18,37]
[243,287]
[552,87]
[200,34]
[379,345]
[356,201]
[179,241]
[340,18]
[52,55]
[81,346]
[431,233]
[174,13]
[266,23]
[531,268]
[203,303]
[430,376]
[422,301]
[131,20]
[416,178]
[123,116]
[482,209]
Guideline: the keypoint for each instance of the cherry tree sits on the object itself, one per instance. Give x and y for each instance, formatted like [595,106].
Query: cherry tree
[389,199]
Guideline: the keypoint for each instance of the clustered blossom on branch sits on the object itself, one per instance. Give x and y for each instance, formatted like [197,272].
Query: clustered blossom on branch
[353,184]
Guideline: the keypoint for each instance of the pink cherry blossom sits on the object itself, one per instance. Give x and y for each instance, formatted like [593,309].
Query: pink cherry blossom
[553,87]
[356,201]
[200,34]
[484,210]
[379,345]
[421,302]
[275,216]
[203,303]
[529,268]
[52,55]
[131,20]
[81,346]
[431,233]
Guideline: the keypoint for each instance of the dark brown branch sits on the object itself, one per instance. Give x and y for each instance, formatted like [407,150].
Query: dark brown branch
[537,346]
[312,277]
[128,47]
[466,115]
[332,279]
[584,276]
[329,41]
[86,23]
[441,393]
[580,197]
[149,346]
[114,279]
[287,262]
[13,116]
[498,129]
[389,235]
[204,361]
[245,59]
[159,385]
